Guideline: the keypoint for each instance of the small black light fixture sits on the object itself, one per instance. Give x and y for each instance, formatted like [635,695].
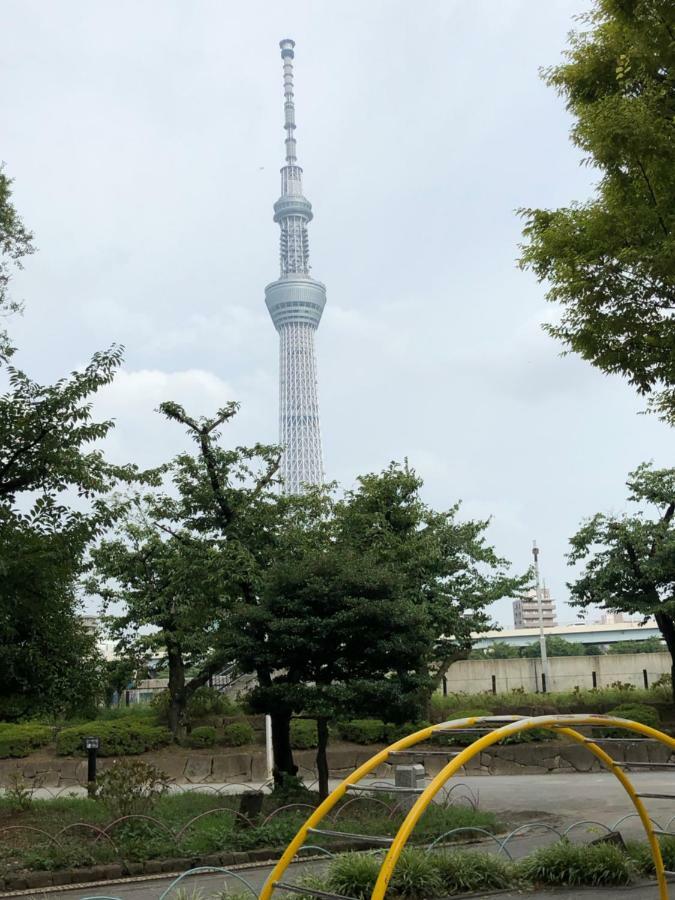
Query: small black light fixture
[91,745]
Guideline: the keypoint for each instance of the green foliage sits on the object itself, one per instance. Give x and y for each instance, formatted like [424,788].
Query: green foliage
[630,559]
[496,650]
[182,560]
[468,871]
[20,740]
[637,712]
[647,645]
[49,663]
[416,876]
[303,734]
[608,262]
[214,833]
[555,646]
[362,731]
[641,855]
[202,736]
[354,875]
[15,243]
[121,737]
[204,703]
[394,732]
[18,794]
[131,786]
[573,865]
[237,734]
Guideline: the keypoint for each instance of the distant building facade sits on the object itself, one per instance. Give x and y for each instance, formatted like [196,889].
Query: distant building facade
[526,610]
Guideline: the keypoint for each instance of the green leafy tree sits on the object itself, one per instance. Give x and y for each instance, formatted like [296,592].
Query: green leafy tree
[367,601]
[555,646]
[629,560]
[119,674]
[646,645]
[182,560]
[53,501]
[609,262]
[16,242]
[48,659]
[496,650]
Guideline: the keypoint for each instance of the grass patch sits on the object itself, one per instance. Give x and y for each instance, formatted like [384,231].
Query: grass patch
[574,865]
[420,875]
[220,830]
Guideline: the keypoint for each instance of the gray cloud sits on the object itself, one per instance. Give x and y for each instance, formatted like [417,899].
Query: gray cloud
[146,138]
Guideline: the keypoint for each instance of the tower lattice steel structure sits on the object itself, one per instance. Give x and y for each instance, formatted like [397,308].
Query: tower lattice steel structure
[296,301]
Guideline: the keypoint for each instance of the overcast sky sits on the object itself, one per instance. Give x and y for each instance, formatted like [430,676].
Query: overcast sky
[145,138]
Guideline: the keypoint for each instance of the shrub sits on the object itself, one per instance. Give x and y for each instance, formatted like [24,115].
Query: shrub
[19,740]
[416,876]
[354,875]
[396,732]
[236,734]
[208,701]
[641,855]
[467,871]
[204,736]
[442,709]
[120,737]
[131,786]
[638,712]
[575,865]
[204,703]
[303,734]
[19,793]
[362,731]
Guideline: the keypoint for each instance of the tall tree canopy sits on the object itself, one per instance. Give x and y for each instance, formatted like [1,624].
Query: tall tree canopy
[53,501]
[629,560]
[15,243]
[610,261]
[182,559]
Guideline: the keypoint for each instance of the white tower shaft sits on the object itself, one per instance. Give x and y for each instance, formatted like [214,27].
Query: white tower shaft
[295,302]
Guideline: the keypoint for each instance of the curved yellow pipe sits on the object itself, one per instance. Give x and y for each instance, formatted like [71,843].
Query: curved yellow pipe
[555,723]
[324,808]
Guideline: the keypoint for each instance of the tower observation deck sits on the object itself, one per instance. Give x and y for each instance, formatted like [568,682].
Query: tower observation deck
[295,302]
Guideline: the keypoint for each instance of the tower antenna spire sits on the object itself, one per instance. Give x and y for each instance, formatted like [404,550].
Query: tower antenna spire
[288,55]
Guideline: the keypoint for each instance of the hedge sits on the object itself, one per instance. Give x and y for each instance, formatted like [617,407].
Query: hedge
[362,731]
[120,737]
[303,734]
[20,740]
[236,734]
[204,736]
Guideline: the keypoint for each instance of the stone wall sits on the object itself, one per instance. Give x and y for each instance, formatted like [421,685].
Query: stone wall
[474,676]
[535,758]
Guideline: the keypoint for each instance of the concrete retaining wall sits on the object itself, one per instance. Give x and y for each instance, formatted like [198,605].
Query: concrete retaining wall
[474,676]
[540,757]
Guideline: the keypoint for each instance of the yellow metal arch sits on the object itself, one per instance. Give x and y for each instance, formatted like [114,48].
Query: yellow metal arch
[558,723]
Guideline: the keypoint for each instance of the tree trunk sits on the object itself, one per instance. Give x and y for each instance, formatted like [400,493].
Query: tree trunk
[321,758]
[281,746]
[177,693]
[667,629]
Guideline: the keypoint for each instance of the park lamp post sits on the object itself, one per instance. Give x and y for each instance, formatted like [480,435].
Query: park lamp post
[91,745]
[545,680]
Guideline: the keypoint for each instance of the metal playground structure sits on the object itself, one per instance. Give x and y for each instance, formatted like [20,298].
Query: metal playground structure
[488,730]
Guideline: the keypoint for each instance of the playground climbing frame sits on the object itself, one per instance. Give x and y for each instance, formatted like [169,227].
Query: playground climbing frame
[489,730]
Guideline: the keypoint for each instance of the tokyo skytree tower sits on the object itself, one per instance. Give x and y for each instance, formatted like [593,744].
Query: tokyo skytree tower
[296,301]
